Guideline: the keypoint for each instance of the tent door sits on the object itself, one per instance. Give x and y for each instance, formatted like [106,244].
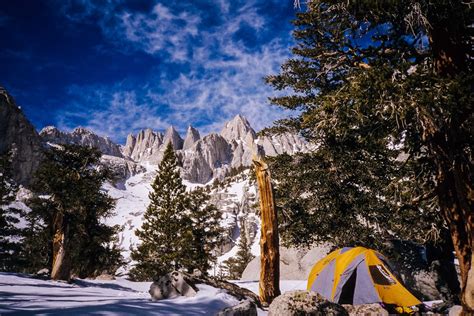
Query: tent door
[348,289]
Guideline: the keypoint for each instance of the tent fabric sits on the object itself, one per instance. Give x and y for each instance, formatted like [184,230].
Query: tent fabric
[358,276]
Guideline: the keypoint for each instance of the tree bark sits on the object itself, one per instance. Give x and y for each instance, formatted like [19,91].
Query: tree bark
[61,269]
[455,196]
[269,286]
[454,168]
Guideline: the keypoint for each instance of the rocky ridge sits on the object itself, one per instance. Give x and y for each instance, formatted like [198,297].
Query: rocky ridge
[81,136]
[214,155]
[202,158]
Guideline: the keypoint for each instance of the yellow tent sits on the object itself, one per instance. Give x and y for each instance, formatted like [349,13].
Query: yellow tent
[358,276]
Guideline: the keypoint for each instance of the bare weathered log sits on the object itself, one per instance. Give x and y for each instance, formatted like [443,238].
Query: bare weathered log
[269,286]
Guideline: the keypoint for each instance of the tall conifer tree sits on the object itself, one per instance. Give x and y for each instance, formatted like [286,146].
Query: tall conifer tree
[384,89]
[68,212]
[165,225]
[205,231]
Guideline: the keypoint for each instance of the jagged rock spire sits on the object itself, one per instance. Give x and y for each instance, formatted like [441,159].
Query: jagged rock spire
[171,135]
[192,136]
[238,128]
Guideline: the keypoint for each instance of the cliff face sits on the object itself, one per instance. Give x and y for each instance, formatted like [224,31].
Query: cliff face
[19,136]
[83,137]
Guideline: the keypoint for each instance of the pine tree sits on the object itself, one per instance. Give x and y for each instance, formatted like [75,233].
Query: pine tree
[384,89]
[165,229]
[68,212]
[10,235]
[235,266]
[205,231]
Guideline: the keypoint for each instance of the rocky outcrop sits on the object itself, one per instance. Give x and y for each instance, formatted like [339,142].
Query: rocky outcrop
[214,155]
[171,285]
[283,143]
[295,264]
[366,310]
[122,168]
[206,156]
[245,308]
[144,147]
[238,129]
[83,137]
[299,302]
[192,136]
[20,137]
[171,135]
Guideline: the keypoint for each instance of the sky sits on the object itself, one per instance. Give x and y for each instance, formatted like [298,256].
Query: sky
[116,66]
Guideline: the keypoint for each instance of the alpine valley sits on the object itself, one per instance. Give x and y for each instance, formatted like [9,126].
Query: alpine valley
[218,161]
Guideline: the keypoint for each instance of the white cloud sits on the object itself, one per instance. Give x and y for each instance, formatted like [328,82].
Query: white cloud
[110,113]
[160,30]
[223,76]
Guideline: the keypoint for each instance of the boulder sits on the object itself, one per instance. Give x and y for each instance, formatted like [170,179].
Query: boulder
[105,277]
[304,303]
[245,308]
[295,264]
[366,310]
[43,272]
[171,285]
[456,310]
[427,272]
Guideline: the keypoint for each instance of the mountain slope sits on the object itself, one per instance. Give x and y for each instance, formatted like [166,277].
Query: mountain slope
[18,135]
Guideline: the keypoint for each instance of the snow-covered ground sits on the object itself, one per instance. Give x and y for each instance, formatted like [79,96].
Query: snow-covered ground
[21,294]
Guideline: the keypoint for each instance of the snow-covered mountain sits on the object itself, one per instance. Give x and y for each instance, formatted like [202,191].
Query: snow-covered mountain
[208,160]
[219,161]
[214,155]
[83,137]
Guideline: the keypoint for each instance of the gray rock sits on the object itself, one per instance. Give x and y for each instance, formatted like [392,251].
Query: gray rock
[366,310]
[213,156]
[43,272]
[171,285]
[105,277]
[456,310]
[19,136]
[303,303]
[295,264]
[171,135]
[122,168]
[245,308]
[192,136]
[83,137]
[144,147]
[237,129]
[283,143]
[209,153]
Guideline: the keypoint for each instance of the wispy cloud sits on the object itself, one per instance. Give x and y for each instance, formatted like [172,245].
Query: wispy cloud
[114,113]
[218,65]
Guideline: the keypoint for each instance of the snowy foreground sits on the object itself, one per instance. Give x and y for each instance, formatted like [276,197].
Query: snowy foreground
[21,294]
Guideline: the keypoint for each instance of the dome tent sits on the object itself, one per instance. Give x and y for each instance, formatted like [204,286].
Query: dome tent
[358,276]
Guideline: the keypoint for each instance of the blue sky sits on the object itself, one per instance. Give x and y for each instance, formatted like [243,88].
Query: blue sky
[116,67]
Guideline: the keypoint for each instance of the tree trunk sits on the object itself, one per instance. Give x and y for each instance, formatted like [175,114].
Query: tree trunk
[269,286]
[61,269]
[454,168]
[456,202]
